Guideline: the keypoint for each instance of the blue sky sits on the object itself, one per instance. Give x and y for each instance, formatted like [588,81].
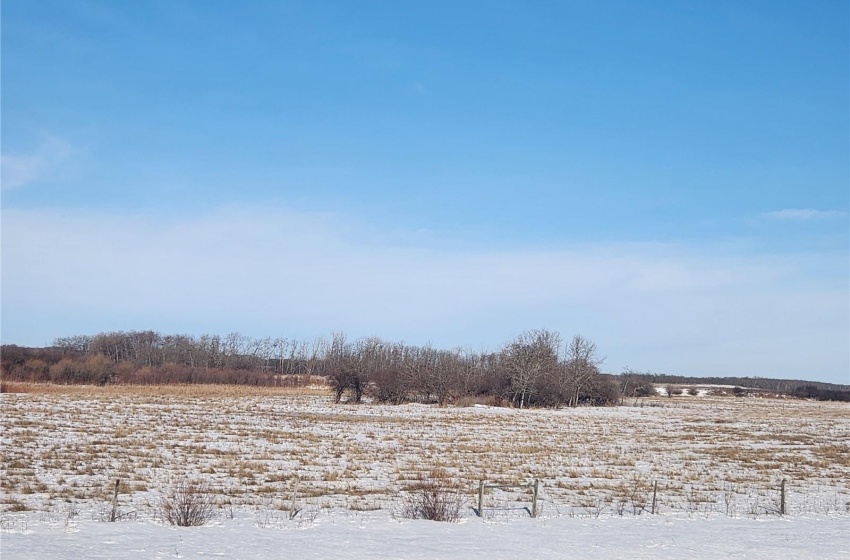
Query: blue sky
[669,179]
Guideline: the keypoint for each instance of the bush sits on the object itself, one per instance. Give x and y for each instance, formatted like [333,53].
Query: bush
[639,388]
[436,497]
[187,504]
[672,390]
[604,391]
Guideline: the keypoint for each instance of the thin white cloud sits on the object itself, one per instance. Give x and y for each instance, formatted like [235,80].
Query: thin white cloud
[278,272]
[804,214]
[20,169]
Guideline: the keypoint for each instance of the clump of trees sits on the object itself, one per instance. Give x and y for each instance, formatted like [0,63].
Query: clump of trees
[535,369]
[542,371]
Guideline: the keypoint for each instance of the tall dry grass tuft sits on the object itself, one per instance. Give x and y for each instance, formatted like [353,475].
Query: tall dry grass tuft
[435,496]
[187,504]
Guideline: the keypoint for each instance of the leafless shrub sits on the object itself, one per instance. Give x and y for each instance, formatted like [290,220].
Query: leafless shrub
[696,501]
[435,496]
[753,508]
[729,499]
[187,503]
[267,518]
[640,495]
[620,507]
[72,511]
[594,506]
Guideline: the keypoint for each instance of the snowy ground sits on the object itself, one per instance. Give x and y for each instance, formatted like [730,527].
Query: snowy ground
[718,463]
[375,535]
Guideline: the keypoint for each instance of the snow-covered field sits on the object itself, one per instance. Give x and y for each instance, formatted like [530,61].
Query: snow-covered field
[375,535]
[718,464]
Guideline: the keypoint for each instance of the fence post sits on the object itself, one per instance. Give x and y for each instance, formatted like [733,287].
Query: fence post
[293,510]
[480,498]
[782,498]
[114,515]
[534,498]
[654,495]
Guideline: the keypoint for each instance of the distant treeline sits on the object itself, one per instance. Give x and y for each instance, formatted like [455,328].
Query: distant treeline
[791,387]
[537,368]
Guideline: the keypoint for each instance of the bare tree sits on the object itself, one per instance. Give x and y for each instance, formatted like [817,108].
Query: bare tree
[445,376]
[352,364]
[74,344]
[389,386]
[339,365]
[531,355]
[419,365]
[580,367]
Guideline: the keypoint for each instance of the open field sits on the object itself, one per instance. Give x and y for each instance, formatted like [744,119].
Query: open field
[711,457]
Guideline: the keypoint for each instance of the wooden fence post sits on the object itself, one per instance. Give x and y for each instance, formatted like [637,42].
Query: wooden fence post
[534,498]
[114,515]
[782,498]
[535,493]
[293,510]
[480,498]
[654,495]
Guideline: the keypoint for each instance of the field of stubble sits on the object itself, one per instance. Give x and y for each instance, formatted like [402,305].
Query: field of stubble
[62,450]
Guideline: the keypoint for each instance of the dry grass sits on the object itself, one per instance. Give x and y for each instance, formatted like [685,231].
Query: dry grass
[188,504]
[317,388]
[71,443]
[436,496]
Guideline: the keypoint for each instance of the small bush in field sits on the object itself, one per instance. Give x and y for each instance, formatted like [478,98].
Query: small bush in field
[187,504]
[672,390]
[436,497]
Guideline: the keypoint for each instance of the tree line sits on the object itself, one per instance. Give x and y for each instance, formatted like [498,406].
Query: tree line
[537,368]
[639,384]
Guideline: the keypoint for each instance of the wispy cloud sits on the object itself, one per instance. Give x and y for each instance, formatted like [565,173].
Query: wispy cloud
[804,214]
[21,169]
[274,271]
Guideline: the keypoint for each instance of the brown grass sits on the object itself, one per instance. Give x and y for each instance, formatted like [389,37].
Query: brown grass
[318,388]
[254,446]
